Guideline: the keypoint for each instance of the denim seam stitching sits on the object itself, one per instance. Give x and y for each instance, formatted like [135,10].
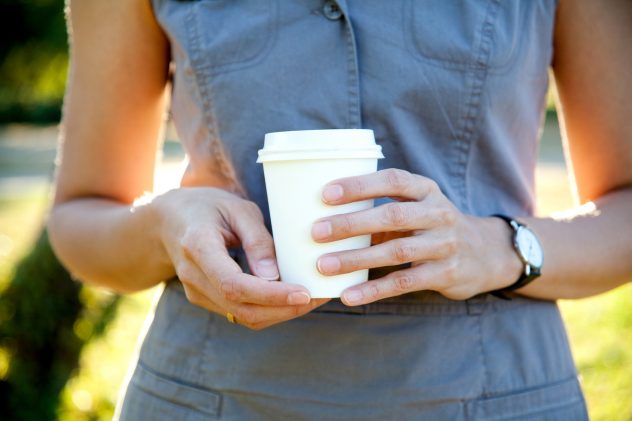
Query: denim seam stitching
[413,47]
[477,75]
[178,383]
[551,406]
[254,58]
[174,406]
[534,388]
[354,117]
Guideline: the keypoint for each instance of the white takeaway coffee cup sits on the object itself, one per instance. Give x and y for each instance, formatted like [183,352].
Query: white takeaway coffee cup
[297,165]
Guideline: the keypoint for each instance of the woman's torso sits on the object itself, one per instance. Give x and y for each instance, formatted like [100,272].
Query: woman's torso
[453,91]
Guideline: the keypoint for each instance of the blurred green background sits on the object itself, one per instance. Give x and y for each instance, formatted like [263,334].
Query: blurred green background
[65,348]
[33,60]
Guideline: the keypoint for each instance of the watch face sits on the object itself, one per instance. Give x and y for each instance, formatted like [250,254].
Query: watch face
[529,247]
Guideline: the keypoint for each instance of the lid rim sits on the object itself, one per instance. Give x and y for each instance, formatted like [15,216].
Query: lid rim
[311,156]
[319,144]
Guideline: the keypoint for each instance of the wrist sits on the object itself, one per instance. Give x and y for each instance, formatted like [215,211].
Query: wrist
[154,211]
[506,265]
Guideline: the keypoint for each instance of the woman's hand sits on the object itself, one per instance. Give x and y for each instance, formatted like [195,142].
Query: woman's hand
[197,226]
[452,253]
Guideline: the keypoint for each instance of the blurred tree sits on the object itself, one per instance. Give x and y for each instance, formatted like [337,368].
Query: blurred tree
[44,323]
[33,60]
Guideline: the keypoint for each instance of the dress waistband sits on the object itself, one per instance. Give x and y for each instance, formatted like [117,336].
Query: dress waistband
[417,303]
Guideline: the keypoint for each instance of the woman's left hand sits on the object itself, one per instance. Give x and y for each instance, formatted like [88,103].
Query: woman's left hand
[455,254]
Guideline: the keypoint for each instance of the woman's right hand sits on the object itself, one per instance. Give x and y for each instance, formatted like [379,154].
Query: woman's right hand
[197,225]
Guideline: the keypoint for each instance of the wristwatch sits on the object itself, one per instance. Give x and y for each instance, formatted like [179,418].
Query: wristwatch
[529,249]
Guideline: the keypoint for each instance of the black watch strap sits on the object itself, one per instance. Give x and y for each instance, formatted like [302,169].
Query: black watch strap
[529,272]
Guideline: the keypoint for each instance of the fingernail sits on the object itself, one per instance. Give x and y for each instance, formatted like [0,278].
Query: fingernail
[328,264]
[321,230]
[298,298]
[333,192]
[352,297]
[267,269]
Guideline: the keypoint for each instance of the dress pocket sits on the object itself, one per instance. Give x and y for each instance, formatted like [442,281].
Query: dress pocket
[560,401]
[153,396]
[462,34]
[226,35]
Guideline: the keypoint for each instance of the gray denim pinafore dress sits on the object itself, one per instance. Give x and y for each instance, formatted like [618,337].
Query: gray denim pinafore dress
[454,91]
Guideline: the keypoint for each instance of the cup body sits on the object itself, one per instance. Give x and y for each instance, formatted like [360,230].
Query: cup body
[294,187]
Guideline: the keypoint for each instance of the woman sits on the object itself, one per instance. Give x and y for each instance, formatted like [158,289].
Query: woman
[455,93]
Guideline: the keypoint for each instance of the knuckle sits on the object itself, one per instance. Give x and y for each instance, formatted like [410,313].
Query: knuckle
[397,215]
[247,317]
[404,253]
[193,297]
[450,246]
[257,327]
[403,283]
[350,262]
[447,216]
[450,272]
[355,185]
[432,186]
[257,242]
[253,208]
[398,179]
[230,289]
[192,241]
[188,242]
[373,292]
[343,224]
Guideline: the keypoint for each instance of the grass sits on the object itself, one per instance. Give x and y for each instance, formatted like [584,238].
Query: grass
[600,328]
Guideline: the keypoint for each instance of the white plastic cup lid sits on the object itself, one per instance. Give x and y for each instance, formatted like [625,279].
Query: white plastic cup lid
[319,144]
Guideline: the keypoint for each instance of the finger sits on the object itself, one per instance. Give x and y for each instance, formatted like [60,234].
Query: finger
[417,278]
[244,288]
[199,298]
[391,182]
[208,266]
[418,248]
[394,216]
[258,317]
[246,221]
[249,315]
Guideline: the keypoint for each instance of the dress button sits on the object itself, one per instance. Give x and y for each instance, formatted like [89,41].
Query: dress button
[332,10]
